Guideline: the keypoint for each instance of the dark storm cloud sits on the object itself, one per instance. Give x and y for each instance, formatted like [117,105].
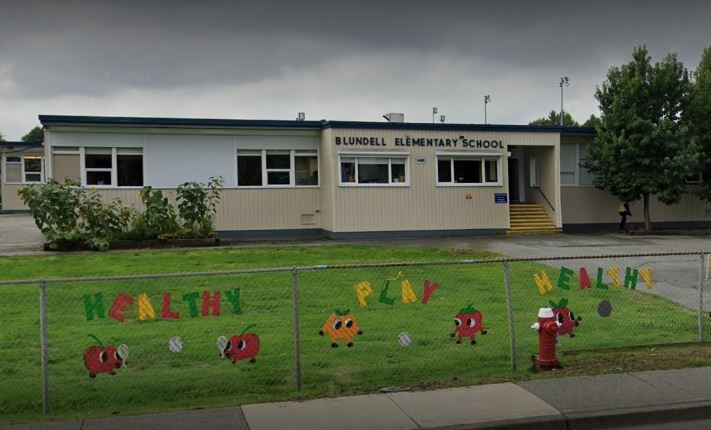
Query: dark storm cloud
[98,46]
[338,59]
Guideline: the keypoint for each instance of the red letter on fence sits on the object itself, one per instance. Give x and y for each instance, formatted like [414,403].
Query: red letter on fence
[122,302]
[165,312]
[584,279]
[430,287]
[208,304]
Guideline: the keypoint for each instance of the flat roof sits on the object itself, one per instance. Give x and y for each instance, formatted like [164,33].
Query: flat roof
[17,143]
[316,125]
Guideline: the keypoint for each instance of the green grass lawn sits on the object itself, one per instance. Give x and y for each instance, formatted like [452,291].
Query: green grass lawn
[157,379]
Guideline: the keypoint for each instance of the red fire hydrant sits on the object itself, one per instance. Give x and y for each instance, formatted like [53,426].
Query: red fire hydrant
[547,328]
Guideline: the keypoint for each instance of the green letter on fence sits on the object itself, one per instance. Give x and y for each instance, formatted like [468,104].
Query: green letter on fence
[564,278]
[190,298]
[96,307]
[233,297]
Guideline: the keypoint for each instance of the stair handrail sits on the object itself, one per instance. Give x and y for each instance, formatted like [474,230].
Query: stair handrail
[544,197]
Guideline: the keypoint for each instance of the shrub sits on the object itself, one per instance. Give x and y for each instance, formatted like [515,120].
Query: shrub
[159,218]
[197,206]
[70,216]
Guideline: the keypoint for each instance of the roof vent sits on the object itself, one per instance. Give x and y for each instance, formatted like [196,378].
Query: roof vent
[301,116]
[395,117]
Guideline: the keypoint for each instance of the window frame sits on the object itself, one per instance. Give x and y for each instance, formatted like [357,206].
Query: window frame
[23,172]
[113,169]
[482,157]
[293,153]
[578,168]
[390,156]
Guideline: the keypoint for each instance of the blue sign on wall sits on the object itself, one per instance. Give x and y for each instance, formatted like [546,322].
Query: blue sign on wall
[501,198]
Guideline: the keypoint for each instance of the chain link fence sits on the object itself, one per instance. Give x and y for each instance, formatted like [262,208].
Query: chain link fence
[130,343]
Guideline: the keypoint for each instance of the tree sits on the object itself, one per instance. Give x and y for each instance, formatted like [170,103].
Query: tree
[2,139]
[593,122]
[698,115]
[553,119]
[642,147]
[34,135]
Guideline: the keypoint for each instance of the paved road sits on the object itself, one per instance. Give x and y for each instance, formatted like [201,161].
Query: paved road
[19,235]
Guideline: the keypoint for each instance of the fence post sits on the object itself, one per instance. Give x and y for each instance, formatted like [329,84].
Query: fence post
[43,347]
[509,306]
[297,333]
[701,297]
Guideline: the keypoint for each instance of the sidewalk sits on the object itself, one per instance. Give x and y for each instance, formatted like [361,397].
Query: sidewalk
[617,400]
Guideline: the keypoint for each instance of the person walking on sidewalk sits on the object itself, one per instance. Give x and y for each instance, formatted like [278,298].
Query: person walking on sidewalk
[624,211]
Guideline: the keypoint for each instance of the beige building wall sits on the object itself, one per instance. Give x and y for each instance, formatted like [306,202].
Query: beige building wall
[249,209]
[10,200]
[423,205]
[588,205]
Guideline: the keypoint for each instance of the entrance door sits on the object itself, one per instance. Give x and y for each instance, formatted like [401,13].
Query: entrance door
[514,196]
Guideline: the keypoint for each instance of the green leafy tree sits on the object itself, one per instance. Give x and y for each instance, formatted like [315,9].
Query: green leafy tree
[34,135]
[698,115]
[642,141]
[593,122]
[553,119]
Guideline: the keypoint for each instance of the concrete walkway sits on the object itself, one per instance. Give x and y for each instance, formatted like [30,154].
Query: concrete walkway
[19,235]
[605,401]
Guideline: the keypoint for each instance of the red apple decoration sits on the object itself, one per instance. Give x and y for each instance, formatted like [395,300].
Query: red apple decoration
[565,317]
[245,346]
[467,323]
[102,359]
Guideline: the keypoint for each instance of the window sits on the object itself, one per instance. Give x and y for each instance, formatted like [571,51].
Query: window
[374,170]
[306,168]
[107,167]
[129,165]
[277,168]
[22,170]
[33,169]
[568,164]
[585,176]
[572,155]
[467,170]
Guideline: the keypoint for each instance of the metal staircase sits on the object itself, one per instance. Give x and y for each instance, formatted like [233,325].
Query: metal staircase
[530,218]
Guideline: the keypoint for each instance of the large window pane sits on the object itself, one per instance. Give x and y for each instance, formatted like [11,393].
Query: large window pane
[348,170]
[130,170]
[567,158]
[567,178]
[98,177]
[306,170]
[278,178]
[249,168]
[397,171]
[13,172]
[372,170]
[33,177]
[444,170]
[279,160]
[97,161]
[491,170]
[467,171]
[33,165]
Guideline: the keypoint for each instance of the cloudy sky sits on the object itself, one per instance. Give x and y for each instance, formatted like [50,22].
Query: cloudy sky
[344,60]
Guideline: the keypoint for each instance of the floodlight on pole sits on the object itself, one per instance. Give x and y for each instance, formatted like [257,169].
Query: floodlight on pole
[563,82]
[487,100]
[434,112]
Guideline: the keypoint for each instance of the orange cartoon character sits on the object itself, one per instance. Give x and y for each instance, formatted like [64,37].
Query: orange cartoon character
[341,325]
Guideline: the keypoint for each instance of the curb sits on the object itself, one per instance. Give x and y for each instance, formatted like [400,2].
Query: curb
[644,415]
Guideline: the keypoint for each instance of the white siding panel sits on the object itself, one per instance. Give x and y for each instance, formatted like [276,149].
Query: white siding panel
[118,140]
[170,160]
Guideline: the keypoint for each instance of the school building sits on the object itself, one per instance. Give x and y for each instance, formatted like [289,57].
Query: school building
[340,179]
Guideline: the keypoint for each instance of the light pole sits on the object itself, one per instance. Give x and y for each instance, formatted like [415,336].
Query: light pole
[563,81]
[487,100]
[434,112]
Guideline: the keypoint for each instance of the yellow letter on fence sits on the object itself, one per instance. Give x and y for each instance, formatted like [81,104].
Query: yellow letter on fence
[363,290]
[647,277]
[543,282]
[614,273]
[408,296]
[145,309]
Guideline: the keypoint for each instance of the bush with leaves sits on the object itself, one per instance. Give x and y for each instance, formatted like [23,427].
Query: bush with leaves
[158,219]
[70,216]
[197,206]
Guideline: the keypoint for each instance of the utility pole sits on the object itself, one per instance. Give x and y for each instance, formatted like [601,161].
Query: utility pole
[487,100]
[563,81]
